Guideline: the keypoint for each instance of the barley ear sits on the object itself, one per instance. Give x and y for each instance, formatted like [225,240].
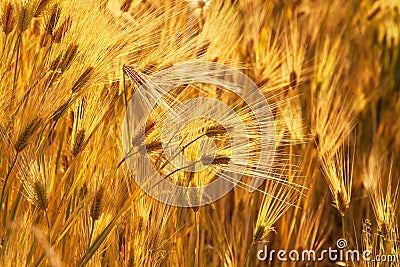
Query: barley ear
[259,233]
[7,18]
[78,142]
[215,130]
[82,80]
[341,203]
[24,18]
[293,79]
[25,136]
[51,24]
[41,200]
[96,207]
[68,57]
[126,5]
[62,30]
[41,7]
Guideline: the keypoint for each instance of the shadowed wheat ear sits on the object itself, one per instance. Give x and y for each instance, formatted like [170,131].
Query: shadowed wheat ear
[40,198]
[82,80]
[96,206]
[68,57]
[41,6]
[63,61]
[52,22]
[62,30]
[216,130]
[8,18]
[78,142]
[25,17]
[126,5]
[96,209]
[218,160]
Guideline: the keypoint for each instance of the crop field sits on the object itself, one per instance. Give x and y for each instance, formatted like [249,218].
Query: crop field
[199,133]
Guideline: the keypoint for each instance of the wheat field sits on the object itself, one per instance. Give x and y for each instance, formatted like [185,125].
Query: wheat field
[329,71]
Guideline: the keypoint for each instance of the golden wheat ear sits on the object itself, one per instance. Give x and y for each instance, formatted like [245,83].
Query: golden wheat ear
[337,168]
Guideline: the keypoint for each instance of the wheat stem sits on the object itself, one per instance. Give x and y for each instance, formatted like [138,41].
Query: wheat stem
[344,237]
[48,226]
[246,261]
[197,251]
[6,179]
[91,233]
[183,148]
[18,44]
[4,46]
